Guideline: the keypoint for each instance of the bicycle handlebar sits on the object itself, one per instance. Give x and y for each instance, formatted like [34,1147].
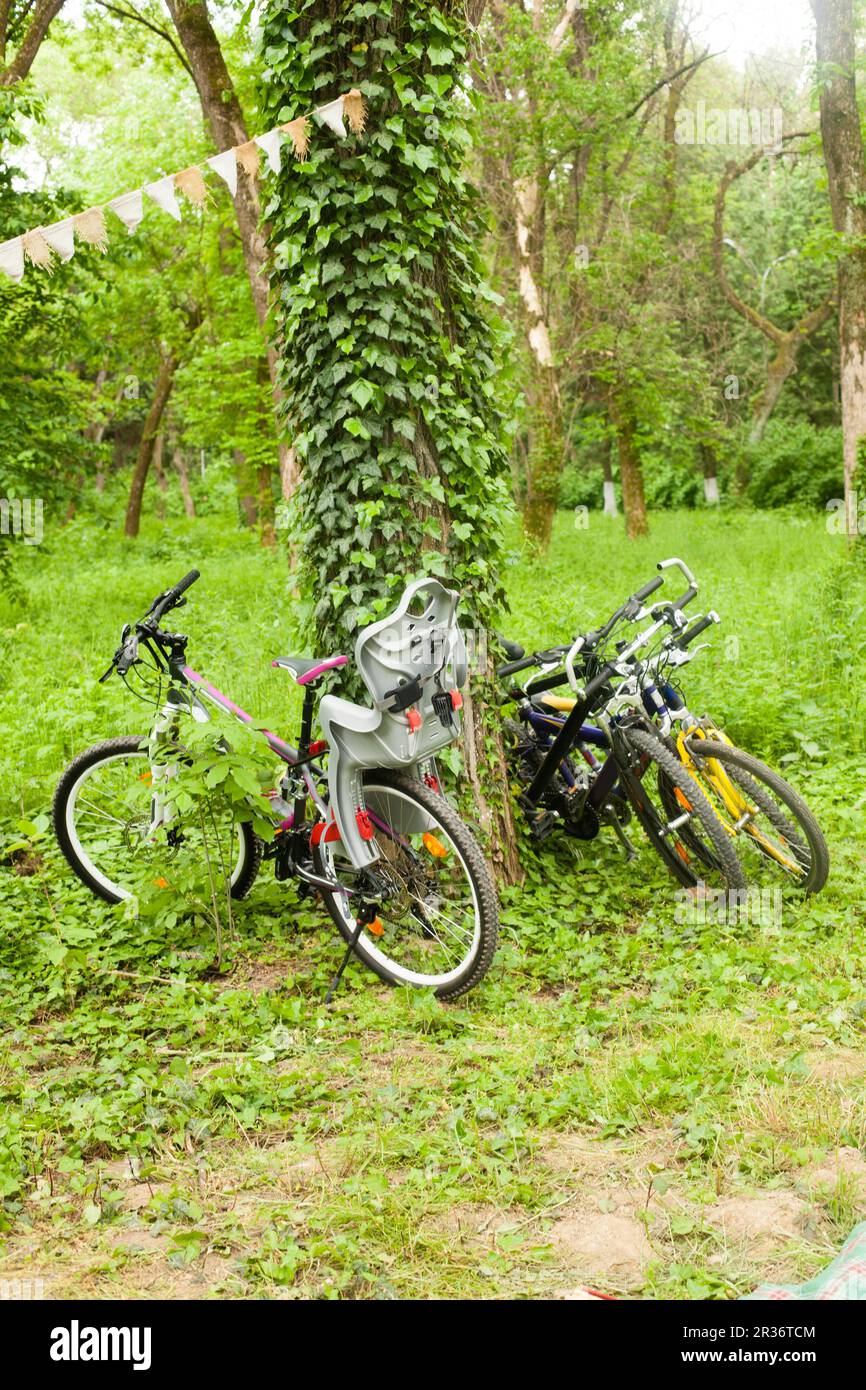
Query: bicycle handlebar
[164,602]
[126,655]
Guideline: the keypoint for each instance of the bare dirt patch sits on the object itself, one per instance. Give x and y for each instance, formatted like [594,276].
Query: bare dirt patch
[836,1064]
[602,1245]
[762,1223]
[846,1166]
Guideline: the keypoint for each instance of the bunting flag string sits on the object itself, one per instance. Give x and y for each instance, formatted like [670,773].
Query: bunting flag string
[42,245]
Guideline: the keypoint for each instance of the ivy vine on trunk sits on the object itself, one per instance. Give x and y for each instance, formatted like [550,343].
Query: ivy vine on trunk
[387,351]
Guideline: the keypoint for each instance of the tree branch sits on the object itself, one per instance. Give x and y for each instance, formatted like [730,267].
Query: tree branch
[663,82]
[733,171]
[134,14]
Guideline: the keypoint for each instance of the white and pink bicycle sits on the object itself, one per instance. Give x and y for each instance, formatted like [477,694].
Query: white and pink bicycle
[358,816]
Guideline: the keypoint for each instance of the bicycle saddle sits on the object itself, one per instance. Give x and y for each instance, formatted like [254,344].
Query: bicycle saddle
[307,669]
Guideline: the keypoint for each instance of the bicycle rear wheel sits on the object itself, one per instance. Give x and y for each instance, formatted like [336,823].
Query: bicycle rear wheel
[773,826]
[428,905]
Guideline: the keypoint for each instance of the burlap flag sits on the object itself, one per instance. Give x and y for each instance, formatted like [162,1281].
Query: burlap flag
[226,166]
[298,132]
[248,158]
[61,238]
[355,111]
[37,250]
[90,227]
[332,115]
[192,185]
[129,208]
[12,259]
[163,194]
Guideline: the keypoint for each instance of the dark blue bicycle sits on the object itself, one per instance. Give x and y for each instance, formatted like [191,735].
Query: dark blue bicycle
[599,757]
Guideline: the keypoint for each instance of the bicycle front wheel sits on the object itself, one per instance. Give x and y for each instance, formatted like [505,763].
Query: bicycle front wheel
[102,812]
[429,907]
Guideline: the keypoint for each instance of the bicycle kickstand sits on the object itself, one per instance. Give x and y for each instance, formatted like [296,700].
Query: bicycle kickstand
[627,847]
[334,985]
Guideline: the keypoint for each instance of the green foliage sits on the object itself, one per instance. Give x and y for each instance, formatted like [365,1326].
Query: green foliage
[795,464]
[388,353]
[41,323]
[219,773]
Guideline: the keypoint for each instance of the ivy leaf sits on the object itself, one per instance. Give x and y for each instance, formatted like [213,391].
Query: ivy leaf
[362,392]
[424,157]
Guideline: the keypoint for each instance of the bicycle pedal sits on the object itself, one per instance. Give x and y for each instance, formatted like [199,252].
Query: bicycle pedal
[541,824]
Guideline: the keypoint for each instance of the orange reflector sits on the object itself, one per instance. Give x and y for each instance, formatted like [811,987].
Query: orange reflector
[682,799]
[683,853]
[146,777]
[433,846]
[375,927]
[161,882]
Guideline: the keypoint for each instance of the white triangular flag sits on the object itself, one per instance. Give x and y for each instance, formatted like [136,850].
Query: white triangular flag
[226,166]
[163,194]
[61,238]
[332,115]
[129,208]
[12,259]
[270,143]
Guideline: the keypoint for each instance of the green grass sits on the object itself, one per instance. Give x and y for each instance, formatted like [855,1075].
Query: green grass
[601,1110]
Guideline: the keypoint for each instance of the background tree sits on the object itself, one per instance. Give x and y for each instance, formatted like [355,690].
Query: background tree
[842,141]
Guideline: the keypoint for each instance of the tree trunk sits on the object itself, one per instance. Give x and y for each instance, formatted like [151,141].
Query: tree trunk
[265,505]
[609,490]
[852,352]
[546,453]
[222,111]
[162,391]
[711,482]
[179,465]
[487,774]
[631,479]
[630,470]
[787,342]
[246,489]
[422,513]
[843,155]
[159,474]
[783,365]
[42,14]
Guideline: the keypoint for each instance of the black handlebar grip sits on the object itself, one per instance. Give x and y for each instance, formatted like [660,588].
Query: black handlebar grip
[186,583]
[690,593]
[513,650]
[649,588]
[695,631]
[509,667]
